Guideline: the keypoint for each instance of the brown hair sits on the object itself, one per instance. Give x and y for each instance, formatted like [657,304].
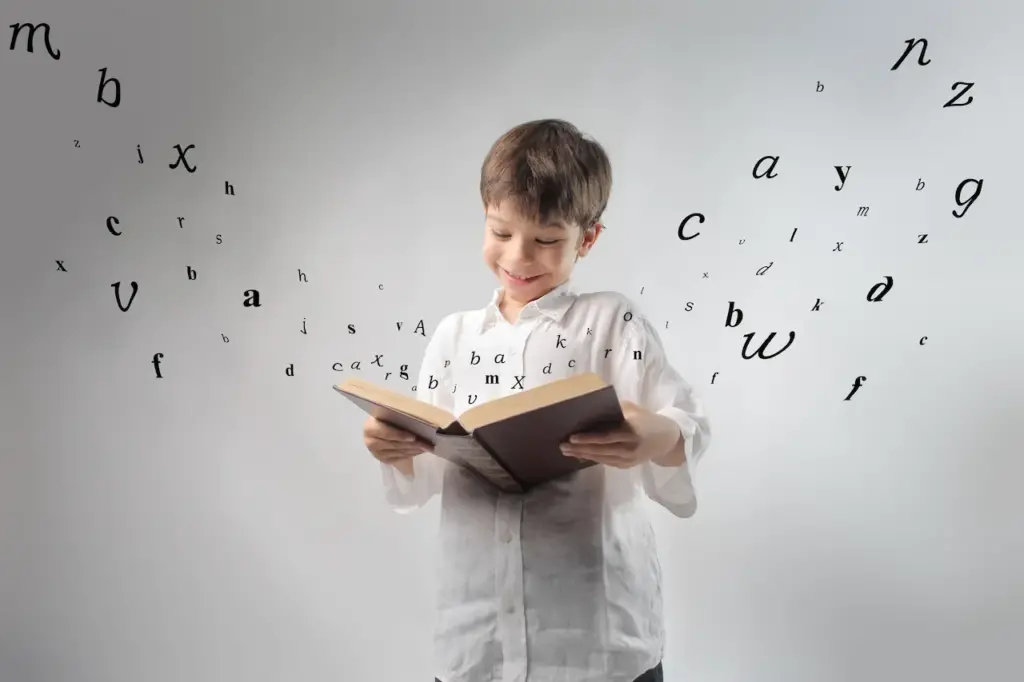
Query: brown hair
[550,171]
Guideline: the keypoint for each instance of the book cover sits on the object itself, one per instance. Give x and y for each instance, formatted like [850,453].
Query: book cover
[511,442]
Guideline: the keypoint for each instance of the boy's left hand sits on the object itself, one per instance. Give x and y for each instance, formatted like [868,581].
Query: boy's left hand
[644,436]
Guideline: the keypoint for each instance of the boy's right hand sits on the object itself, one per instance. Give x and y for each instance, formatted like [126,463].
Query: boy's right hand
[392,445]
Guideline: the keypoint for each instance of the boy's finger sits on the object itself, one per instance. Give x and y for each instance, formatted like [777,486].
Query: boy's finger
[393,446]
[391,455]
[609,458]
[388,432]
[595,450]
[610,436]
[385,444]
[394,455]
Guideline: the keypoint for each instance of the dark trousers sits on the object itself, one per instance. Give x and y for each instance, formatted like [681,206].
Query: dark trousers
[655,674]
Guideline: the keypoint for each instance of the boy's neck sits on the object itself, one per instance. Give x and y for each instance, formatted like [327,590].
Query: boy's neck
[510,308]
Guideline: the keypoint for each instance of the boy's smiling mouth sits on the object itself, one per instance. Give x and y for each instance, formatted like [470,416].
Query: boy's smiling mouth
[519,280]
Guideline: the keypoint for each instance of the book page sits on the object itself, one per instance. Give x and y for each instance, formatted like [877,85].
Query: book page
[560,390]
[372,399]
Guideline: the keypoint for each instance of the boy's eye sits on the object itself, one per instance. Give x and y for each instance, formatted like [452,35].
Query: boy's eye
[545,242]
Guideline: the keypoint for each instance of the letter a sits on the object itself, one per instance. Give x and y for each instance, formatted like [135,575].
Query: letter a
[252,299]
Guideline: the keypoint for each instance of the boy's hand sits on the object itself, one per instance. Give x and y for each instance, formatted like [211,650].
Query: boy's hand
[644,436]
[390,444]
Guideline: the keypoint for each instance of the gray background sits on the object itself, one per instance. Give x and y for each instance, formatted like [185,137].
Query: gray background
[224,523]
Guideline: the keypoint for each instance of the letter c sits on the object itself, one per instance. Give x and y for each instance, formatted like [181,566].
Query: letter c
[682,225]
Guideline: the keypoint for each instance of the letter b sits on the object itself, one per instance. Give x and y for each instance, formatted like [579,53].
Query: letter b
[104,82]
[474,359]
[728,317]
[191,273]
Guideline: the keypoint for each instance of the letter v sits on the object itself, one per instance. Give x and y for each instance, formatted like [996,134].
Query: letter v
[117,295]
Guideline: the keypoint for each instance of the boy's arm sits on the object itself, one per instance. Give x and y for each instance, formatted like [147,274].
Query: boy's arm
[657,387]
[411,486]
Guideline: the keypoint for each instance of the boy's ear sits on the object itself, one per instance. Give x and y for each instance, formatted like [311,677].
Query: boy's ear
[587,238]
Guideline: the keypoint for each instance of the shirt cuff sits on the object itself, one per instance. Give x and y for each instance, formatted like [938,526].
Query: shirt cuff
[672,486]
[687,428]
[393,477]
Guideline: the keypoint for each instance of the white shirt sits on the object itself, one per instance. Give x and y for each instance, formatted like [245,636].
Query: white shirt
[561,584]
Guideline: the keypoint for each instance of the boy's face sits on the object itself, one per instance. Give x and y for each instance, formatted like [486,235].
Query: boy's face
[530,259]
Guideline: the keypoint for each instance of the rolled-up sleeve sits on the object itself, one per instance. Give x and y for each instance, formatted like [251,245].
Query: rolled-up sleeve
[408,493]
[662,390]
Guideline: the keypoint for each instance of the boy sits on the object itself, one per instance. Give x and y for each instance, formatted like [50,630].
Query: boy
[561,584]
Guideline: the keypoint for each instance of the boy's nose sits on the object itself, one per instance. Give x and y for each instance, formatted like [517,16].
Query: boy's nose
[520,264]
[523,251]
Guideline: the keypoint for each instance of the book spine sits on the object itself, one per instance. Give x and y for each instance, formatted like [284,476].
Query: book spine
[469,452]
[519,486]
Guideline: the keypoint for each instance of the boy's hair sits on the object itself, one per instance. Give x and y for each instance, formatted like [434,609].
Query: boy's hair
[549,171]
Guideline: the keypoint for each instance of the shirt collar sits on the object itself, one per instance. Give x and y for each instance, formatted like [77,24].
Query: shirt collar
[553,305]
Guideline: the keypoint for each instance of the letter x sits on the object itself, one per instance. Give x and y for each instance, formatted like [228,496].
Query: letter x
[519,381]
[60,266]
[181,157]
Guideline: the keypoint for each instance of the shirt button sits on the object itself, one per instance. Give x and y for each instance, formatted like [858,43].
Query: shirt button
[506,536]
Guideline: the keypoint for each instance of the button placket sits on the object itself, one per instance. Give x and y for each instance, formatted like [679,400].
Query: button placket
[509,578]
[519,350]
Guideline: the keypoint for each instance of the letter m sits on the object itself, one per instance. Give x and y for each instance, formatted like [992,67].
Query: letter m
[491,379]
[32,28]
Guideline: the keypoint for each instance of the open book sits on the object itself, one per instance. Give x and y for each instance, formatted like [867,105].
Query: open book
[511,442]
